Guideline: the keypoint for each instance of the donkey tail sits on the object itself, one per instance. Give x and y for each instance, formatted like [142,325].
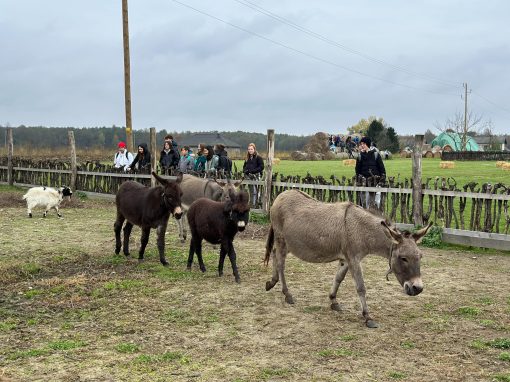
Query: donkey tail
[269,245]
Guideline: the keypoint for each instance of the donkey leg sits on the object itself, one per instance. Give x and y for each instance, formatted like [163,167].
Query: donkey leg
[185,223]
[127,232]
[276,277]
[232,256]
[161,244]
[191,253]
[143,242]
[198,250]
[339,277]
[281,251]
[223,254]
[117,227]
[357,274]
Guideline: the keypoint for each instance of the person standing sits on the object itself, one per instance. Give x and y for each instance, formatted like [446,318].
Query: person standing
[186,163]
[200,159]
[123,158]
[252,168]
[369,163]
[169,157]
[212,161]
[224,162]
[142,161]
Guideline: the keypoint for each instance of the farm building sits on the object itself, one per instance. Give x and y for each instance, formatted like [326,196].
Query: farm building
[233,148]
[450,141]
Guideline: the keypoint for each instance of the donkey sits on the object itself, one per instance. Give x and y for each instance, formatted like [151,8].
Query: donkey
[218,223]
[148,208]
[194,188]
[342,231]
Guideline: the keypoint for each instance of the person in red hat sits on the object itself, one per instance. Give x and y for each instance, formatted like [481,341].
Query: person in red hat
[123,158]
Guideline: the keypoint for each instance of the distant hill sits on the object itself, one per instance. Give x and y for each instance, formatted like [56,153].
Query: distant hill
[108,137]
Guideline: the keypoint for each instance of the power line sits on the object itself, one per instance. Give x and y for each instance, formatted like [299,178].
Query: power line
[327,40]
[308,54]
[491,102]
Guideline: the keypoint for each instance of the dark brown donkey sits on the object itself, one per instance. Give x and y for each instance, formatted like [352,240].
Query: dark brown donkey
[148,208]
[344,232]
[218,223]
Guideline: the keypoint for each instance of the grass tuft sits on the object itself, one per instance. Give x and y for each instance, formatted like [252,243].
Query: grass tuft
[127,348]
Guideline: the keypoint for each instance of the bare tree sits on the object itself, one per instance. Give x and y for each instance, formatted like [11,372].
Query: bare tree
[457,126]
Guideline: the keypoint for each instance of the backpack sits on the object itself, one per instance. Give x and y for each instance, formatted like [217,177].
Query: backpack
[126,153]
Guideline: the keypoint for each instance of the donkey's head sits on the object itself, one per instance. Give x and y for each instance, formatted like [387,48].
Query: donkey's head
[172,194]
[405,257]
[228,187]
[237,208]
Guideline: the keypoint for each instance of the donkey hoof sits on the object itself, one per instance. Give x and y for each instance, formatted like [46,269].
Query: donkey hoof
[220,274]
[117,251]
[372,324]
[29,215]
[140,261]
[238,280]
[289,299]
[203,269]
[166,264]
[188,268]
[269,285]
[336,307]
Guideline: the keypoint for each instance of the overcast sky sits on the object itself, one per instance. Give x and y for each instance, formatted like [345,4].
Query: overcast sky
[225,65]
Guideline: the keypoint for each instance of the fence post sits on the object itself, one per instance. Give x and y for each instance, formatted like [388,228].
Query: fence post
[269,171]
[74,173]
[10,153]
[417,191]
[154,154]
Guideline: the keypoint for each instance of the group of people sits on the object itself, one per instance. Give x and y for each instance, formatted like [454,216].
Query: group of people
[208,159]
[350,145]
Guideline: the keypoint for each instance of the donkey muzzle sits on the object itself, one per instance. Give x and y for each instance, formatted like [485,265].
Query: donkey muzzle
[241,225]
[178,213]
[413,287]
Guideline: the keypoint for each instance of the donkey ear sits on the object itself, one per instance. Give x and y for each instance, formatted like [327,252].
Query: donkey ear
[237,183]
[392,234]
[418,235]
[179,178]
[159,179]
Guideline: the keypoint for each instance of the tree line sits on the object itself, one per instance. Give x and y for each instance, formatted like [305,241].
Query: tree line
[108,137]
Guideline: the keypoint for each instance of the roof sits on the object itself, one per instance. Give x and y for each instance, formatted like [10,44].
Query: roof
[454,141]
[487,139]
[208,139]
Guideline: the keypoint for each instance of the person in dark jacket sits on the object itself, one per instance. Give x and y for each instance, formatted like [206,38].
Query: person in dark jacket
[169,157]
[253,163]
[252,169]
[142,161]
[224,163]
[369,163]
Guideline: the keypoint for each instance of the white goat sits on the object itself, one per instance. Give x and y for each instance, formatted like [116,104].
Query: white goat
[46,197]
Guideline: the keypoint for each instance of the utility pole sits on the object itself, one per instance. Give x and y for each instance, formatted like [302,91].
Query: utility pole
[464,136]
[127,81]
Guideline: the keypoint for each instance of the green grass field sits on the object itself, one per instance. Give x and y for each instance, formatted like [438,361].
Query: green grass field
[464,172]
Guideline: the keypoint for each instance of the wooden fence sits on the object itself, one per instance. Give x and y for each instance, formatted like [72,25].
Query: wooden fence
[471,208]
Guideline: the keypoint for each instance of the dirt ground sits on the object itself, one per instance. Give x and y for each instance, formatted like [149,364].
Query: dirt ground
[70,310]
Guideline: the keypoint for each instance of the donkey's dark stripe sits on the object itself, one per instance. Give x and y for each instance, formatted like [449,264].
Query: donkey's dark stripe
[148,208]
[343,232]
